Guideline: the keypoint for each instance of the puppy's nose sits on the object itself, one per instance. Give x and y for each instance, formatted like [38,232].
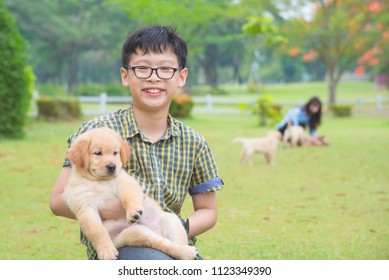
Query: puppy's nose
[111,167]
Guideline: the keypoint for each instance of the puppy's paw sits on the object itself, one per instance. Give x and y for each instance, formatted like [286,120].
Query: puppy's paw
[108,253]
[133,216]
[187,253]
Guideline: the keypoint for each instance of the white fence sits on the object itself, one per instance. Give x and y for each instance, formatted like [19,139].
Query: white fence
[207,103]
[221,105]
[217,105]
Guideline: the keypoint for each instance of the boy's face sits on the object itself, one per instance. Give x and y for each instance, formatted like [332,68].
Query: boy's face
[153,92]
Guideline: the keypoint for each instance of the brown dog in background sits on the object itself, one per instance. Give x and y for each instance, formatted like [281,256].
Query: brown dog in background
[98,157]
[294,135]
[265,145]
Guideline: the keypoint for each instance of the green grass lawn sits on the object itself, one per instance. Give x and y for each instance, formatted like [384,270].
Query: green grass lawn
[315,203]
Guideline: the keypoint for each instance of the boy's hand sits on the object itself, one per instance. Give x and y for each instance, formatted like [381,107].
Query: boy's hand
[113,209]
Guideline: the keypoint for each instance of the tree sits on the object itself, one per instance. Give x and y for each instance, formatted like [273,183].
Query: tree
[206,26]
[376,59]
[60,33]
[264,26]
[16,77]
[80,41]
[339,32]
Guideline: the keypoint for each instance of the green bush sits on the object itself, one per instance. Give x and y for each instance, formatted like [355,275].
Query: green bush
[181,105]
[16,78]
[341,110]
[269,112]
[53,109]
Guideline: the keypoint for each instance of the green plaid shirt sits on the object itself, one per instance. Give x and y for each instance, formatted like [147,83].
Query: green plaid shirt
[179,163]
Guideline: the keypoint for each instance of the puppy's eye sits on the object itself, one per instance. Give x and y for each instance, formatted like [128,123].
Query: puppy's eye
[98,153]
[115,153]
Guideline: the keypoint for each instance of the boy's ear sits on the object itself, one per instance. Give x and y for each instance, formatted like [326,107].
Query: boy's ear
[182,77]
[124,76]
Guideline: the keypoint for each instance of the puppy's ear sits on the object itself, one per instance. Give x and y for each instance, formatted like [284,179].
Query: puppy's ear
[125,152]
[78,153]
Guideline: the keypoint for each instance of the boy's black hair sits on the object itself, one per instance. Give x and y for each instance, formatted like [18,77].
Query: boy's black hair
[155,39]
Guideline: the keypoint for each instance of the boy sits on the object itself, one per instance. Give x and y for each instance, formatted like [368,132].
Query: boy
[169,158]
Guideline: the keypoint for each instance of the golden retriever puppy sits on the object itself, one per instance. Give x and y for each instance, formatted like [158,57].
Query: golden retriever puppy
[265,145]
[294,135]
[98,157]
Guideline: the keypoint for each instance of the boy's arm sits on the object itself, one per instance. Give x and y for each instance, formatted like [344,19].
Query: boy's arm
[113,209]
[205,214]
[57,204]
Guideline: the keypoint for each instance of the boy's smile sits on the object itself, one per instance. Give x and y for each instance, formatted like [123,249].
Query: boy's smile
[154,91]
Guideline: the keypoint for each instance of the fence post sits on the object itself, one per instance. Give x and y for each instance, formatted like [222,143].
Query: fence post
[209,103]
[379,102]
[35,97]
[35,94]
[359,102]
[103,103]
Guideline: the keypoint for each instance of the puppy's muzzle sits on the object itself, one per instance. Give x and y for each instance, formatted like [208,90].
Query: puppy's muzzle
[111,167]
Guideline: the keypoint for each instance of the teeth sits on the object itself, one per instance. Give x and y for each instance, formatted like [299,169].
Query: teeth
[153,90]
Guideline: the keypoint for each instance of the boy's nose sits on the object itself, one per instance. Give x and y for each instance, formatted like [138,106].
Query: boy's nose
[153,75]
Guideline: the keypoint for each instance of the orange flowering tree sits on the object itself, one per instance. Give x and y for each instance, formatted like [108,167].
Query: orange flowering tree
[339,34]
[377,57]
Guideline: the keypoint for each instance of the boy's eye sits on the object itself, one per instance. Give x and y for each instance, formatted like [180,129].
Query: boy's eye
[142,69]
[165,69]
[98,153]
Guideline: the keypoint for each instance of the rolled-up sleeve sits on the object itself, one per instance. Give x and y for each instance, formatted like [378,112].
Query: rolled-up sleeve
[211,185]
[205,177]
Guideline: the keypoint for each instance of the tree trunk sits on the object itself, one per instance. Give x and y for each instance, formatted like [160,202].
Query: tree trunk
[208,63]
[254,68]
[333,79]
[72,72]
[332,87]
[211,52]
[235,67]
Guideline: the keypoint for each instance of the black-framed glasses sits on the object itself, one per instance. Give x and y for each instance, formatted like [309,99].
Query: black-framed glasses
[144,72]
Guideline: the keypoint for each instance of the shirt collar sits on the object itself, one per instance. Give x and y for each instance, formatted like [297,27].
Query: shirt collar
[133,129]
[173,129]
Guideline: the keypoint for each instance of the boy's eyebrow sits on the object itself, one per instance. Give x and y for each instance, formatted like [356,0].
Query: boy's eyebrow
[149,62]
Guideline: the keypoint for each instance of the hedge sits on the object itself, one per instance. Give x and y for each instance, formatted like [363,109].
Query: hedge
[53,109]
[341,110]
[16,78]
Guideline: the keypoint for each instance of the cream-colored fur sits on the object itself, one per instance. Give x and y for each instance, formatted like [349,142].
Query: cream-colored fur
[294,135]
[97,158]
[265,145]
